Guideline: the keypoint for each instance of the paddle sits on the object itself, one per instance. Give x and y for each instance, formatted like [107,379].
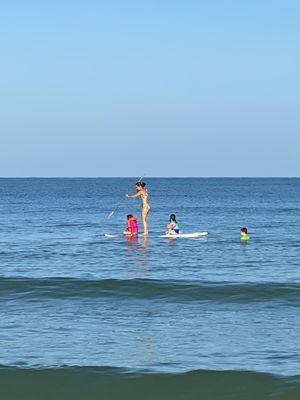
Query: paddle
[120,202]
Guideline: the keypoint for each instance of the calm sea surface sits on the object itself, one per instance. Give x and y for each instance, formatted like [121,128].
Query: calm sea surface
[91,317]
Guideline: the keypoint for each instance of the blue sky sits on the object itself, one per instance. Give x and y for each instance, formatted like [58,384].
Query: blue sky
[166,88]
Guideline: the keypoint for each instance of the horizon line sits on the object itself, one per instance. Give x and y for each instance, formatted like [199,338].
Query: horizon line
[150,177]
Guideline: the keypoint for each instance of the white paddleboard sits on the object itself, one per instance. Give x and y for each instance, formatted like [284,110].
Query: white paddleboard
[177,235]
[186,235]
[110,235]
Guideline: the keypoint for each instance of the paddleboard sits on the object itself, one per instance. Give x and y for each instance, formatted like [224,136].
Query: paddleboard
[110,235]
[186,235]
[178,235]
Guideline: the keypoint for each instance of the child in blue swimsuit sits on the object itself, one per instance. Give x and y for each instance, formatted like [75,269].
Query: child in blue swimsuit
[172,226]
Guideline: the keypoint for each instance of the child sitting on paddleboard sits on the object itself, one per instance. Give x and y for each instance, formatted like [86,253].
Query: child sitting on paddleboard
[132,226]
[172,226]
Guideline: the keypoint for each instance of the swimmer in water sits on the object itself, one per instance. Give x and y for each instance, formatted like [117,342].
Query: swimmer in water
[244,234]
[143,193]
[132,226]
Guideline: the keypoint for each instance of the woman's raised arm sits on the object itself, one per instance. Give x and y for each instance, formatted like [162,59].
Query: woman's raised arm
[134,196]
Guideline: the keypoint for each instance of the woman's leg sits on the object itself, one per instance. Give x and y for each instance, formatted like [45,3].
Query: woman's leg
[145,213]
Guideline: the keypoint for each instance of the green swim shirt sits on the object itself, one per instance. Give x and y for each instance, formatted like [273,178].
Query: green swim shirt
[246,237]
[174,224]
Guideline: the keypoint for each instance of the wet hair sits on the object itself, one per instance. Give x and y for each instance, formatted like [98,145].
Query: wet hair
[129,216]
[141,184]
[173,218]
[244,230]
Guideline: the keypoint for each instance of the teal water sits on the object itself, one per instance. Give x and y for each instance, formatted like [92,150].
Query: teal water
[152,318]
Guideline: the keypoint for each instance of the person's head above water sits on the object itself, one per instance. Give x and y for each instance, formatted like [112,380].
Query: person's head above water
[244,233]
[129,216]
[173,218]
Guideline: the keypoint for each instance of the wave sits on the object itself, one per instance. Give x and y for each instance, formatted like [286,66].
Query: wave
[108,383]
[149,289]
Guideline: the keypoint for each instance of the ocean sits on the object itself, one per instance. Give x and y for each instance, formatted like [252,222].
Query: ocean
[85,316]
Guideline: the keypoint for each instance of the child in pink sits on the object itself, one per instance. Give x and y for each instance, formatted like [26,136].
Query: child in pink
[132,226]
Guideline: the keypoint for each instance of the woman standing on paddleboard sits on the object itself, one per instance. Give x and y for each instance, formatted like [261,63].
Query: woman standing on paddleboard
[142,191]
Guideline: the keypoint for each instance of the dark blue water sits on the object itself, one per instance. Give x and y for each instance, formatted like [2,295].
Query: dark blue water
[71,297]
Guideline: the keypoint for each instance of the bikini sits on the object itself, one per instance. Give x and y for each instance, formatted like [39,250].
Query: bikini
[145,204]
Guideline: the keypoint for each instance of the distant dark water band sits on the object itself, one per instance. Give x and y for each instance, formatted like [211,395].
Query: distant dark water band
[77,383]
[28,288]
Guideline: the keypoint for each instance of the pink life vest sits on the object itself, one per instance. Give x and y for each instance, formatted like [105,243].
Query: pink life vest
[133,226]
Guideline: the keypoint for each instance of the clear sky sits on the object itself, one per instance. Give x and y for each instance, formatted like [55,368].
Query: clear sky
[161,87]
